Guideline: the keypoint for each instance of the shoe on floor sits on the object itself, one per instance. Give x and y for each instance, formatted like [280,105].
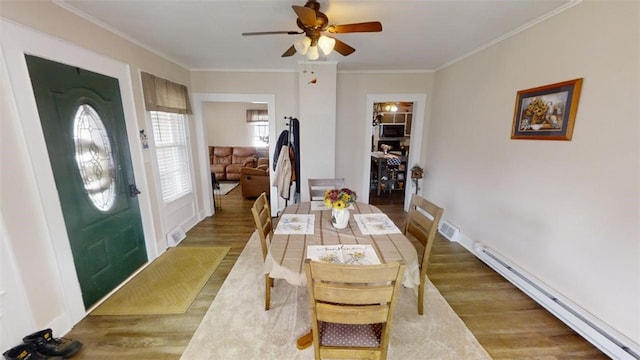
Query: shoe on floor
[46,344]
[27,352]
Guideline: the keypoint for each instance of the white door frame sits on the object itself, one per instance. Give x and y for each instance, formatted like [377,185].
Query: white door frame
[415,145]
[199,99]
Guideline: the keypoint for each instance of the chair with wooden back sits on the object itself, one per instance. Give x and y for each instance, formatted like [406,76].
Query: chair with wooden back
[317,187]
[262,217]
[424,228]
[358,300]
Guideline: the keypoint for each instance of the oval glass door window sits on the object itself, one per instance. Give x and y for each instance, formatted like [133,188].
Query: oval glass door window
[94,157]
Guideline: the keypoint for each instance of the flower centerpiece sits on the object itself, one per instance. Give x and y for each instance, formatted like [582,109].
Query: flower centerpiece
[338,200]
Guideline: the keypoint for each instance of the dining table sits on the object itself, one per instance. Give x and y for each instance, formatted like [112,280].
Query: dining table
[305,224]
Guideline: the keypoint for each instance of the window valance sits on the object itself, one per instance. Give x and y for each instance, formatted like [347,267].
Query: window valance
[164,95]
[257,115]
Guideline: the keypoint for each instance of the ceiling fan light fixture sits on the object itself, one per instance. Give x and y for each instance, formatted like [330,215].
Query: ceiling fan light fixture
[326,44]
[312,23]
[390,107]
[312,53]
[302,45]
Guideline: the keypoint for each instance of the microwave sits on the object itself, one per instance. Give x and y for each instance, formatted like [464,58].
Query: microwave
[391,130]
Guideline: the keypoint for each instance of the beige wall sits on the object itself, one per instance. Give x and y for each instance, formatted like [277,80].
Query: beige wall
[282,84]
[353,132]
[227,124]
[36,236]
[566,212]
[53,20]
[317,126]
[246,86]
[352,118]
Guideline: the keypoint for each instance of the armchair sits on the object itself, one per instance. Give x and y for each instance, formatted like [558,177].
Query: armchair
[254,181]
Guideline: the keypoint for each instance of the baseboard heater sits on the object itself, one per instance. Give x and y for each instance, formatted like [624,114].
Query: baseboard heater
[608,340]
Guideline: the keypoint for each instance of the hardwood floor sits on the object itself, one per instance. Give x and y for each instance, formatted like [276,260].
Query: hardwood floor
[506,322]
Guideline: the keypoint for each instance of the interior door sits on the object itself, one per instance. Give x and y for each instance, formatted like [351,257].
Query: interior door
[83,123]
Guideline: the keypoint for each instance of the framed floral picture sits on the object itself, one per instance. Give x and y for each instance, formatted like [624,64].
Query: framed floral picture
[546,112]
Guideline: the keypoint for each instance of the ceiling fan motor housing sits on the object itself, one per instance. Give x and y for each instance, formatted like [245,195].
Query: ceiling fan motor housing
[313,4]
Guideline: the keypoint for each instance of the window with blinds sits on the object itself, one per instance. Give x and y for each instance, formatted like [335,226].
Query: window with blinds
[260,134]
[171,153]
[259,121]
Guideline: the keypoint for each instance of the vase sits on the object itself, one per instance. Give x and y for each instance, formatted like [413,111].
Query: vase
[340,218]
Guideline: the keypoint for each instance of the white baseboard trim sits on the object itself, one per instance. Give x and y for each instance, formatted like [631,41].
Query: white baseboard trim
[605,338]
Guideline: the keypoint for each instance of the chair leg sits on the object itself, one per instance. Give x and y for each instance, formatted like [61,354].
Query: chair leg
[268,282]
[421,297]
[305,340]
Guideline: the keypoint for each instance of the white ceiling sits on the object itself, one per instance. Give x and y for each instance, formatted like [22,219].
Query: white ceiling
[416,35]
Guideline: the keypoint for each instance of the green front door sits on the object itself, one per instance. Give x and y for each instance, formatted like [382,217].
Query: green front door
[84,128]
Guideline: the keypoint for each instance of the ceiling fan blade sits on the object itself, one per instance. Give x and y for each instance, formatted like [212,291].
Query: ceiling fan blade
[290,51]
[272,33]
[343,48]
[306,15]
[372,26]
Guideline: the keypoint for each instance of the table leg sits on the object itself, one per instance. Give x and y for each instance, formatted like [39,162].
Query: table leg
[379,175]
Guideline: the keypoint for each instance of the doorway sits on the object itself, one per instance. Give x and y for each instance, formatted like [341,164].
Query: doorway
[411,145]
[199,102]
[233,128]
[390,148]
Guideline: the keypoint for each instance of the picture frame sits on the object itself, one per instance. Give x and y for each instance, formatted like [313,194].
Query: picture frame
[547,112]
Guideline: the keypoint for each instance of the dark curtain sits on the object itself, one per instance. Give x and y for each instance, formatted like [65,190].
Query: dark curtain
[295,129]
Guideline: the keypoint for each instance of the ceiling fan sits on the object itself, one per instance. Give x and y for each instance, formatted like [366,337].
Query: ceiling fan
[313,23]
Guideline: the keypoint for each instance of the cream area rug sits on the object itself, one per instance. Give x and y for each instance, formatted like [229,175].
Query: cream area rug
[226,187]
[236,326]
[168,285]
